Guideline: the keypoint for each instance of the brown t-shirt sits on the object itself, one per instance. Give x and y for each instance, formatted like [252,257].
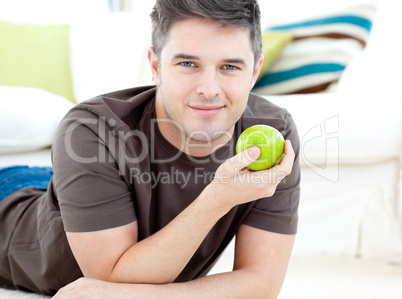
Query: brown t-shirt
[112,166]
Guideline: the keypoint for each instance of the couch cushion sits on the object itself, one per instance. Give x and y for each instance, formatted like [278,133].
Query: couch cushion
[274,42]
[356,215]
[36,56]
[29,118]
[320,51]
[353,128]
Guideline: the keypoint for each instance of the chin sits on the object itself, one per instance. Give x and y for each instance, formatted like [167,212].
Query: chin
[205,136]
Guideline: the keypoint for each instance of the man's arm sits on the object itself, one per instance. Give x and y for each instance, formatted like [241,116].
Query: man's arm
[115,255]
[261,261]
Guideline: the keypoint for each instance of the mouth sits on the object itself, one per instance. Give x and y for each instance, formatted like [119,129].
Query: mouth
[207,111]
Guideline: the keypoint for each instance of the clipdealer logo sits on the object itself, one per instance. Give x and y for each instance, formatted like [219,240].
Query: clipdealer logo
[112,144]
[326,134]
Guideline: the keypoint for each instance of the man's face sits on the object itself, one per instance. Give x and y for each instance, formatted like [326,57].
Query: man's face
[205,73]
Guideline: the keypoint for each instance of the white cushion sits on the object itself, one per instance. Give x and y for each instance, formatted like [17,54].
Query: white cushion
[346,128]
[29,118]
[348,210]
[40,157]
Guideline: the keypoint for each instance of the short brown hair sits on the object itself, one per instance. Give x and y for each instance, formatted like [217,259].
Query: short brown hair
[242,13]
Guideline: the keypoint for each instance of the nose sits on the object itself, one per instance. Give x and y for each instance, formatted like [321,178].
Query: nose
[208,84]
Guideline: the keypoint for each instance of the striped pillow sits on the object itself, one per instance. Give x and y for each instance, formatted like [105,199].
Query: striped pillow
[320,51]
[274,41]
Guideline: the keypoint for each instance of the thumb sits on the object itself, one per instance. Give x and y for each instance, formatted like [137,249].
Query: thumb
[246,157]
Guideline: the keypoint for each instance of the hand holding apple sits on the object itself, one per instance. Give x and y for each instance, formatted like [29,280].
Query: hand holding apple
[233,184]
[268,139]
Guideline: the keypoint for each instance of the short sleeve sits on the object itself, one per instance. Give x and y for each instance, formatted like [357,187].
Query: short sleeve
[92,194]
[279,213]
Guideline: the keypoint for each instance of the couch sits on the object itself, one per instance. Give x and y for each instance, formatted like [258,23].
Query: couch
[350,132]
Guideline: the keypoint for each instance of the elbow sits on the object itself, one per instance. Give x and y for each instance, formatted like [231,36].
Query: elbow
[262,287]
[265,291]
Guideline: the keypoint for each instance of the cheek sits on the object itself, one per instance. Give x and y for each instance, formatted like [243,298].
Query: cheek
[238,95]
[178,85]
[238,90]
[240,84]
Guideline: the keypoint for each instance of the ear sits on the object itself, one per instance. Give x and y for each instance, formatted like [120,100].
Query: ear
[257,70]
[154,65]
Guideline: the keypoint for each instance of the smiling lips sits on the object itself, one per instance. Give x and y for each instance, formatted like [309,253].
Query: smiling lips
[207,111]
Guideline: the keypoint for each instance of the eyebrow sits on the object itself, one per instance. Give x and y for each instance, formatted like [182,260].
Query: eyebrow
[235,61]
[182,56]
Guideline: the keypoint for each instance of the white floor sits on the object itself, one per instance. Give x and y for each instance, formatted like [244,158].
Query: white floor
[317,278]
[8,294]
[340,278]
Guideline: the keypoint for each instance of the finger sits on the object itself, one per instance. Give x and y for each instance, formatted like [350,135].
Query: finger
[286,164]
[64,290]
[244,158]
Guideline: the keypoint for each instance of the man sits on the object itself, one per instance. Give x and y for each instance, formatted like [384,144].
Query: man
[146,182]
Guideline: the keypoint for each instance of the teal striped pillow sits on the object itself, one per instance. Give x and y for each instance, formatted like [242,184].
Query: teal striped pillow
[320,51]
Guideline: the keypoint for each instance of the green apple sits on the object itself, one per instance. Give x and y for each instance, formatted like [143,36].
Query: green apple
[268,139]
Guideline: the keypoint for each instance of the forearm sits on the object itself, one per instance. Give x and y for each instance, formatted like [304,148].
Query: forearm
[236,284]
[258,273]
[161,257]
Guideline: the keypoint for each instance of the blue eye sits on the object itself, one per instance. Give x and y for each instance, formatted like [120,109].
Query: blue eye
[187,64]
[230,67]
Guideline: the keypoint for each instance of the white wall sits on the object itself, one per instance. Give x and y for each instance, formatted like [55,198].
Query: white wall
[34,10]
